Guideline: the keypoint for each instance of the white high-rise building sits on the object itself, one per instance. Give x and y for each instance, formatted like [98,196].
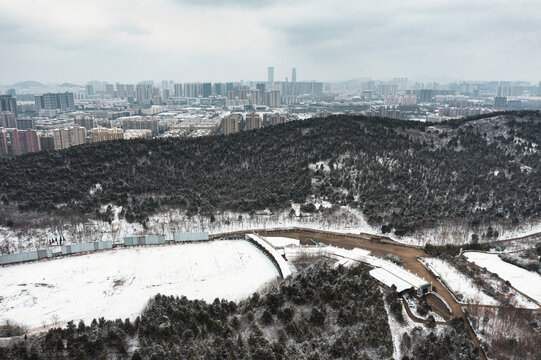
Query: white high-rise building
[270,74]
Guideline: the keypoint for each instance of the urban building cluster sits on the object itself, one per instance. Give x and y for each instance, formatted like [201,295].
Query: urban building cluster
[47,117]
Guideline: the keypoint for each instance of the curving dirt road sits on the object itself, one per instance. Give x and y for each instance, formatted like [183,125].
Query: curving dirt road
[379,246]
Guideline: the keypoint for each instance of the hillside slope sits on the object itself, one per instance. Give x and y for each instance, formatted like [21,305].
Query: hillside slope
[404,176]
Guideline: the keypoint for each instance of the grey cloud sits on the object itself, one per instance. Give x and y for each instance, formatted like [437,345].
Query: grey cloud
[250,4]
[132,29]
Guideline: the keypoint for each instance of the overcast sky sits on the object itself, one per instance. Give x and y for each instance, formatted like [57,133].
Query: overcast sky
[221,40]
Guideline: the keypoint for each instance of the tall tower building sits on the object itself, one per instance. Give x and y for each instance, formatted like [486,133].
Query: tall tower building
[294,75]
[270,73]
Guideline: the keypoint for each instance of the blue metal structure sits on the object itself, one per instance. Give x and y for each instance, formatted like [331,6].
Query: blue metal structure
[25,256]
[198,236]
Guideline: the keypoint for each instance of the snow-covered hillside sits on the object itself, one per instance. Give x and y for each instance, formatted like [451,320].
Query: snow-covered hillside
[339,219]
[118,283]
[523,280]
[462,285]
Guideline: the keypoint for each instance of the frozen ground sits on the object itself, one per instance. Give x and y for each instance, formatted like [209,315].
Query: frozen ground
[459,283]
[118,283]
[280,242]
[523,280]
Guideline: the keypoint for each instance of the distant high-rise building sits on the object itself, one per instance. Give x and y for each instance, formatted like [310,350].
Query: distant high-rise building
[8,120]
[86,121]
[67,137]
[317,88]
[500,102]
[253,121]
[104,134]
[261,88]
[26,124]
[46,142]
[55,101]
[276,119]
[219,89]
[143,94]
[178,90]
[121,91]
[207,89]
[270,74]
[294,75]
[539,89]
[504,90]
[110,90]
[242,94]
[4,150]
[130,91]
[230,125]
[9,103]
[24,141]
[166,94]
[193,90]
[138,123]
[255,97]
[426,95]
[272,98]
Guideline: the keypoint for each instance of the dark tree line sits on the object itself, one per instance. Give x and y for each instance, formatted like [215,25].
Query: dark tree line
[403,175]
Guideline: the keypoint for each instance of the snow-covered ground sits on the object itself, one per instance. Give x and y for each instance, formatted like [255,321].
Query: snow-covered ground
[280,242]
[523,280]
[118,283]
[459,283]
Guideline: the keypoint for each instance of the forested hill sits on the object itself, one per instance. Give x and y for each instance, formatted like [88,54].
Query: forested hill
[403,175]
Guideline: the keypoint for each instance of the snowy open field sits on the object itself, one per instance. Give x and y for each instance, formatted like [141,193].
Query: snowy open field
[459,283]
[523,280]
[118,283]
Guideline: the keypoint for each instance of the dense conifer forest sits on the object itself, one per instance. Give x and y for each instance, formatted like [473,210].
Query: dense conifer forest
[403,175]
[323,312]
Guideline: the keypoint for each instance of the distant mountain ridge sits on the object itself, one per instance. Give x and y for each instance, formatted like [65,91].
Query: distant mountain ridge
[28,84]
[70,85]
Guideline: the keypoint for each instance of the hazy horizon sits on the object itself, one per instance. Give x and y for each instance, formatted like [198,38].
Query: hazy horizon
[208,40]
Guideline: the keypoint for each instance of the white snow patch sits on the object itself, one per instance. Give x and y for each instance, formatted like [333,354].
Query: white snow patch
[118,283]
[523,280]
[459,282]
[281,242]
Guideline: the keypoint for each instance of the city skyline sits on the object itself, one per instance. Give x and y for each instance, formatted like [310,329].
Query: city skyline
[123,41]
